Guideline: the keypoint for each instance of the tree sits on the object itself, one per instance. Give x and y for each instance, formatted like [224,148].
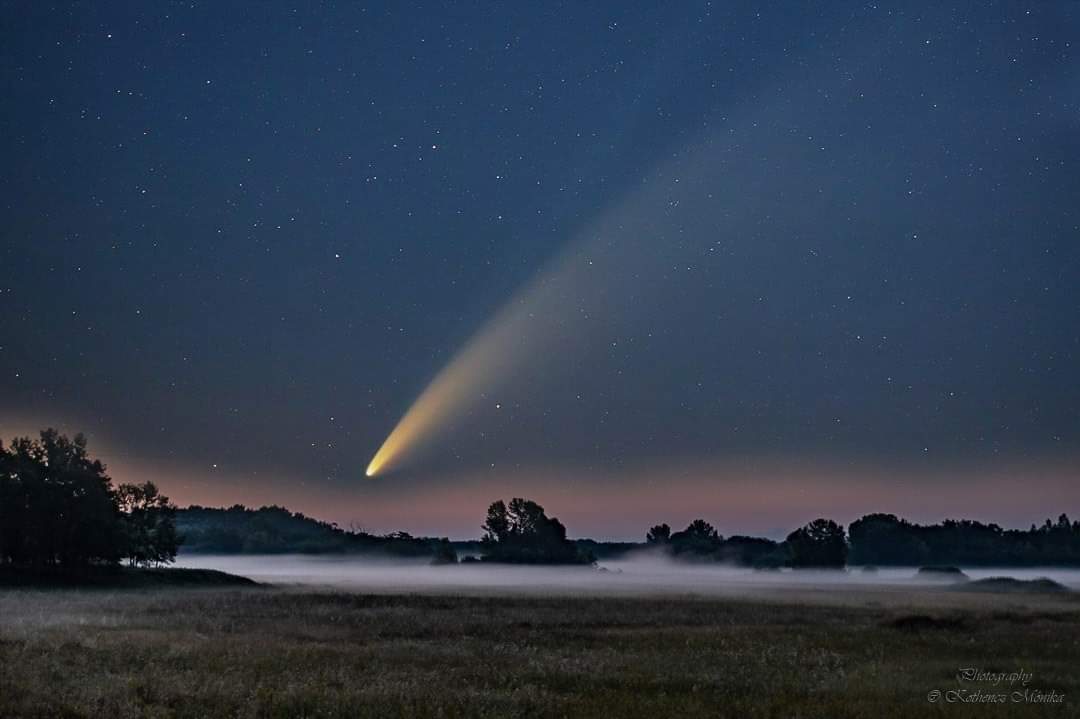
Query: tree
[700,529]
[59,507]
[497,525]
[11,508]
[149,521]
[883,539]
[659,534]
[819,544]
[523,533]
[699,539]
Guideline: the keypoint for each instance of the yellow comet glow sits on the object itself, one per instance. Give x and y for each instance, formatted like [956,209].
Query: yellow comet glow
[485,359]
[547,313]
[624,255]
[552,312]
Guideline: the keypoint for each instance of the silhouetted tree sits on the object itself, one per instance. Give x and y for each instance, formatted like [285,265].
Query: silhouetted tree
[497,525]
[12,509]
[701,529]
[883,539]
[523,533]
[699,539]
[658,534]
[819,544]
[59,507]
[149,521]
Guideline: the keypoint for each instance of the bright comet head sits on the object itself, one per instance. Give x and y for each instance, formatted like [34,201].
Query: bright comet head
[485,358]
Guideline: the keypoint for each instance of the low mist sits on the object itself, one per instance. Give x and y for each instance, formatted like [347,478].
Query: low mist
[639,574]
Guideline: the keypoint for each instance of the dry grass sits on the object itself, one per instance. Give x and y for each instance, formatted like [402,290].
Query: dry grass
[290,653]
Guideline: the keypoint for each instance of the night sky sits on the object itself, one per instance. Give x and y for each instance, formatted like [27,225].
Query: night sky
[753,263]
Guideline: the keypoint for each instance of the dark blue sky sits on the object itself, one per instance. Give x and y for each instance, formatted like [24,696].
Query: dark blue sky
[243,237]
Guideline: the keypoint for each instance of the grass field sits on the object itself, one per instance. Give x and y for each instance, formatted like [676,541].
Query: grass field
[281,652]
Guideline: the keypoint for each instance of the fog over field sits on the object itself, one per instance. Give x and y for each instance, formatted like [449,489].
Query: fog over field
[644,574]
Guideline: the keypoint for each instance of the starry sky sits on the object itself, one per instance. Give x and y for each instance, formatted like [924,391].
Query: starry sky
[785,261]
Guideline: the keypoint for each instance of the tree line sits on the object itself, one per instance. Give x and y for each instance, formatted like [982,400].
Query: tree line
[885,539]
[276,530]
[521,532]
[880,540]
[820,543]
[58,508]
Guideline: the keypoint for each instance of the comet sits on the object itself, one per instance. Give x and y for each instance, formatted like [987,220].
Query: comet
[585,290]
[502,345]
[550,311]
[619,261]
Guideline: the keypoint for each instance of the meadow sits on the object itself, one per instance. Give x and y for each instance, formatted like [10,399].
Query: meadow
[302,651]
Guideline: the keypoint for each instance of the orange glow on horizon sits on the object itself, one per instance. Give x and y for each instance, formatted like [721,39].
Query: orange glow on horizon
[754,496]
[746,495]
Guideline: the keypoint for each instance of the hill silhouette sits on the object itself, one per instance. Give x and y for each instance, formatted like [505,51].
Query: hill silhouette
[276,530]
